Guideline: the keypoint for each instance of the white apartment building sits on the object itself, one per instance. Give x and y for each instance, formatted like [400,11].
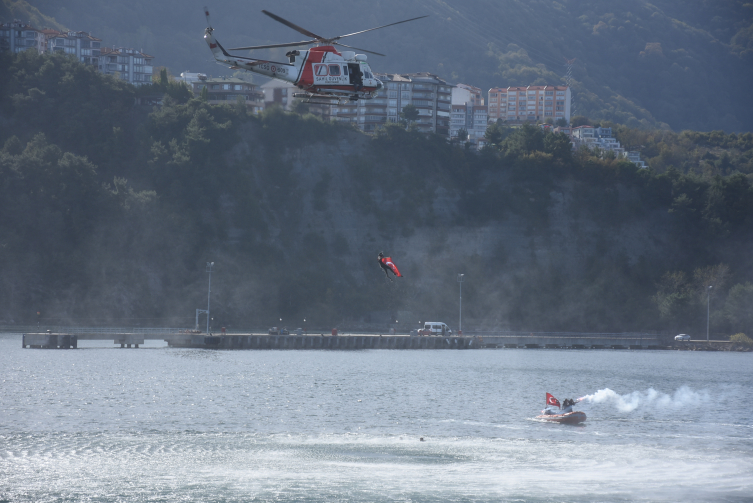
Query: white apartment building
[278,92]
[428,93]
[530,103]
[17,36]
[463,94]
[602,138]
[228,90]
[80,44]
[474,119]
[129,64]
[468,112]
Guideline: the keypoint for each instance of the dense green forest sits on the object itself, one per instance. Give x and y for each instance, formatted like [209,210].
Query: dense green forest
[109,211]
[682,64]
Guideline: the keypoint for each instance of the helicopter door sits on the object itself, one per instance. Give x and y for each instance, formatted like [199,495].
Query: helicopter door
[356,77]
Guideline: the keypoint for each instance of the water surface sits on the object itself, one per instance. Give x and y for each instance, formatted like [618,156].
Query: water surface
[105,424]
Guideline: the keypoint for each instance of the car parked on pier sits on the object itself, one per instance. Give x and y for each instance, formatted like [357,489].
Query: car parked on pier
[682,337]
[435,328]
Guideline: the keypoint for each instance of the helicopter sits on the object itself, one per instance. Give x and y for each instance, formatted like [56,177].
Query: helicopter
[321,72]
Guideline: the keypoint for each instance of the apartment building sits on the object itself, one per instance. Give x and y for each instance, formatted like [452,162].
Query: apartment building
[596,137]
[473,119]
[128,64]
[468,112]
[278,92]
[529,103]
[428,93]
[602,138]
[17,36]
[497,103]
[463,94]
[85,47]
[228,90]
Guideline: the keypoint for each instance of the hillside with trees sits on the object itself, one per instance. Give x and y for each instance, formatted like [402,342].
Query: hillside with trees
[110,212]
[662,64]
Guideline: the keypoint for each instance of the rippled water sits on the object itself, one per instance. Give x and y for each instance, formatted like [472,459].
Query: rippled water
[106,424]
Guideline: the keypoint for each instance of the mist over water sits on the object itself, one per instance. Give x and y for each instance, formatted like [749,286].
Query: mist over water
[158,424]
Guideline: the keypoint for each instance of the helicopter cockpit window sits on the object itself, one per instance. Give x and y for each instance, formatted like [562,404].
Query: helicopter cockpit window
[334,70]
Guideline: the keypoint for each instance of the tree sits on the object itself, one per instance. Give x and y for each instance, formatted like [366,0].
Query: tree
[462,135]
[409,114]
[579,120]
[204,96]
[300,107]
[558,144]
[737,308]
[561,122]
[163,78]
[495,134]
[527,139]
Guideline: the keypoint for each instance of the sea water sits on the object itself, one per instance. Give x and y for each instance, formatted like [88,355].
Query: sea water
[104,424]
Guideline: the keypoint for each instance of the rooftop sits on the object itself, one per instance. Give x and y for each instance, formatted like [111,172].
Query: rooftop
[121,51]
[221,80]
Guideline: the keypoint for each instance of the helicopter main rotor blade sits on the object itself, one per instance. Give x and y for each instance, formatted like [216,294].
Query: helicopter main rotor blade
[292,44]
[209,22]
[291,25]
[377,28]
[356,48]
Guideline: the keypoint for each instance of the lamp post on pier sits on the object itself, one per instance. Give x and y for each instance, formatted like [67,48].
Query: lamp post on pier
[209,292]
[708,310]
[460,318]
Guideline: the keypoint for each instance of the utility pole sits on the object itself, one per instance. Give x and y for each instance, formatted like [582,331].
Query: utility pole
[460,320]
[209,292]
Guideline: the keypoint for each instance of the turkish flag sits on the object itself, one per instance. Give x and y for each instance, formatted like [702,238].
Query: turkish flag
[550,400]
[388,262]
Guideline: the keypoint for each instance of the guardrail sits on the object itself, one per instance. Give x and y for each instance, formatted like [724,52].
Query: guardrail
[493,333]
[91,330]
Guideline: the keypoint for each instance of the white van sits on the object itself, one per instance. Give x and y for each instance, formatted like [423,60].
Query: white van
[435,328]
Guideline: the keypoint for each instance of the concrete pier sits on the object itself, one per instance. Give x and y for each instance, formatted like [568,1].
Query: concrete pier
[358,341]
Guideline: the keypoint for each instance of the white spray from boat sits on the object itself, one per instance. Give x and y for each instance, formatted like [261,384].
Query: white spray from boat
[649,399]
